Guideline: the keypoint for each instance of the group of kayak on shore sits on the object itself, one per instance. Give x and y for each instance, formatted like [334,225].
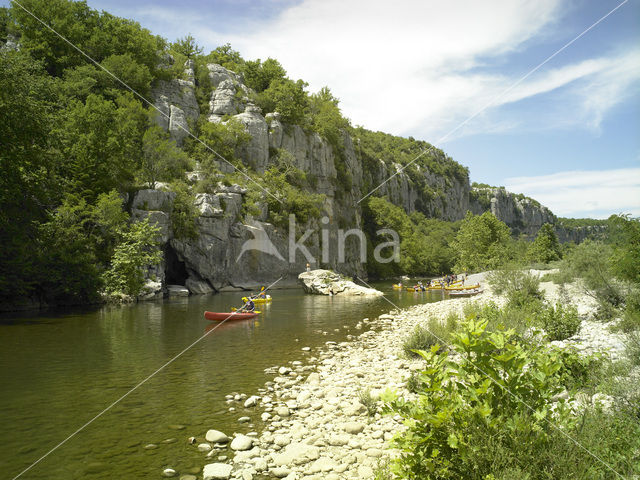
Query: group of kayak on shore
[443,282]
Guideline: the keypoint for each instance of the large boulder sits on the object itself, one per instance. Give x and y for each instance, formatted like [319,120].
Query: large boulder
[326,282]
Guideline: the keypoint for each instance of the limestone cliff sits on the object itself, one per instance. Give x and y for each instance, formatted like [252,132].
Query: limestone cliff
[234,249]
[522,214]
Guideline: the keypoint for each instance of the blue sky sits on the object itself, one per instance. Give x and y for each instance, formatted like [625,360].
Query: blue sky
[567,135]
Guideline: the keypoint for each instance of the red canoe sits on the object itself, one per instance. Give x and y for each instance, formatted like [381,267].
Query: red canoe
[220,316]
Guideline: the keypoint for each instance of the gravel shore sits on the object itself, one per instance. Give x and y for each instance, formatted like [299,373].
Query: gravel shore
[316,426]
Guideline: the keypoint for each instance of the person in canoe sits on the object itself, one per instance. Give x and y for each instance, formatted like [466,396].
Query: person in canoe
[248,306]
[263,293]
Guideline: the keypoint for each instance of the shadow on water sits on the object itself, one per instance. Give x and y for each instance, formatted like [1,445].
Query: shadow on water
[62,368]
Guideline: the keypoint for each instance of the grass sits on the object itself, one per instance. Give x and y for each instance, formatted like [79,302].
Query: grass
[434,332]
[370,403]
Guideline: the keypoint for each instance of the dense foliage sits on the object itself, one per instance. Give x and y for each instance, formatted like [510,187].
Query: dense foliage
[482,243]
[74,142]
[424,242]
[545,248]
[487,409]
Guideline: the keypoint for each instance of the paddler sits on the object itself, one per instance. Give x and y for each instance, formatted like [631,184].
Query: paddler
[248,306]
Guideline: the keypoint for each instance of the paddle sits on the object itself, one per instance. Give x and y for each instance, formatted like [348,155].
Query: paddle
[234,309]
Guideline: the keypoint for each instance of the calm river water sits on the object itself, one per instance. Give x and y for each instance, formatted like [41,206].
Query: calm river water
[59,370]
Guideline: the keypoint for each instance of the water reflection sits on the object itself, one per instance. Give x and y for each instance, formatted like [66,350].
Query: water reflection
[68,366]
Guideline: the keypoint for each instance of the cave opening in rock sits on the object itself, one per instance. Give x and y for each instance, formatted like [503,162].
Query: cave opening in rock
[175,270]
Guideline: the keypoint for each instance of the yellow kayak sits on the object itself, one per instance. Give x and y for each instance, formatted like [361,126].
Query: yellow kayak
[397,287]
[262,300]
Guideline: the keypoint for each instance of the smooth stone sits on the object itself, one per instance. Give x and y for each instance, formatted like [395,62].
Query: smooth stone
[296,453]
[260,464]
[339,440]
[244,419]
[204,447]
[283,411]
[188,477]
[282,440]
[241,442]
[280,472]
[353,427]
[215,436]
[169,472]
[252,401]
[217,471]
[151,446]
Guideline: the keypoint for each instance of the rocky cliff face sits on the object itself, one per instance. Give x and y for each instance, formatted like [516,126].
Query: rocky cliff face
[236,250]
[177,103]
[578,234]
[523,215]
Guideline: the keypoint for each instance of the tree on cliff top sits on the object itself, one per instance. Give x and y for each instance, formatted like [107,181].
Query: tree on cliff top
[481,243]
[187,46]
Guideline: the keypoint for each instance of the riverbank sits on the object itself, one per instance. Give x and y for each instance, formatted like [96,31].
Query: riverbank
[316,423]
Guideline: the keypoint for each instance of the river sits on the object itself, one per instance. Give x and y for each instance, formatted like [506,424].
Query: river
[60,369]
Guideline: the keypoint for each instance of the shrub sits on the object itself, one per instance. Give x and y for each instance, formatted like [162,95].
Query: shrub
[579,371]
[463,422]
[632,347]
[434,333]
[520,287]
[560,322]
[184,213]
[137,250]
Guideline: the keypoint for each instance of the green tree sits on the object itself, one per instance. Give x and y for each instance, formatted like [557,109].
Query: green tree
[100,35]
[288,98]
[187,46]
[226,56]
[218,144]
[259,75]
[625,240]
[545,248]
[128,71]
[161,159]
[327,119]
[137,250]
[69,272]
[28,173]
[102,141]
[481,243]
[424,243]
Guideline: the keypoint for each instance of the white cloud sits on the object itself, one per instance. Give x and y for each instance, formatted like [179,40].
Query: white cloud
[595,194]
[403,65]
